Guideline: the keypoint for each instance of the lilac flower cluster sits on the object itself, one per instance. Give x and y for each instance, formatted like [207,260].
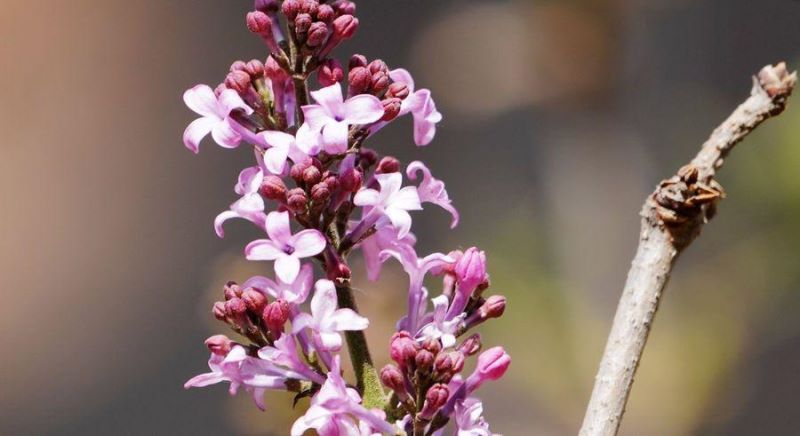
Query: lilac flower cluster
[320,195]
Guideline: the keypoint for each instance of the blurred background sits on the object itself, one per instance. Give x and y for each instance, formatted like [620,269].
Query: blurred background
[560,117]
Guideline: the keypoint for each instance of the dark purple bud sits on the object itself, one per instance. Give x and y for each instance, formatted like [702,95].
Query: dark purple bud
[391,108]
[339,272]
[331,180]
[254,300]
[273,188]
[325,13]
[388,165]
[309,6]
[297,200]
[238,81]
[403,348]
[398,90]
[266,6]
[377,66]
[235,308]
[345,26]
[351,180]
[493,307]
[367,157]
[357,60]
[291,8]
[219,345]
[275,316]
[231,290]
[435,398]
[311,175]
[259,23]
[320,192]
[392,378]
[471,345]
[317,34]
[379,82]
[255,68]
[302,22]
[238,66]
[359,80]
[424,361]
[330,72]
[218,309]
[346,7]
[296,172]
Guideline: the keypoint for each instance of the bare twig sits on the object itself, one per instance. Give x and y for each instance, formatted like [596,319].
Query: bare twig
[672,217]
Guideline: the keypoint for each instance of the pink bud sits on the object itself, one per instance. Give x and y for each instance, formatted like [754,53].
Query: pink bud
[403,348]
[398,90]
[339,272]
[291,8]
[317,34]
[458,361]
[388,165]
[311,175]
[351,180]
[219,345]
[471,345]
[357,60]
[259,23]
[320,192]
[331,180]
[391,109]
[238,66]
[492,364]
[275,316]
[231,290]
[494,307]
[255,68]
[273,70]
[297,200]
[330,73]
[359,80]
[302,22]
[326,14]
[377,66]
[254,300]
[443,364]
[392,378]
[218,310]
[345,26]
[435,398]
[235,307]
[424,361]
[367,157]
[273,188]
[432,345]
[470,269]
[309,6]
[346,7]
[238,81]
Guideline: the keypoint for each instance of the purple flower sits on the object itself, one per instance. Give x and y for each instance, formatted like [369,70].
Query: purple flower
[336,410]
[332,115]
[470,272]
[280,147]
[469,419]
[284,354]
[438,327]
[385,238]
[284,248]
[250,206]
[215,117]
[432,190]
[421,106]
[392,201]
[325,320]
[293,293]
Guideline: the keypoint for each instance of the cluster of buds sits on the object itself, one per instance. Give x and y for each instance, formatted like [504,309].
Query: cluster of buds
[321,196]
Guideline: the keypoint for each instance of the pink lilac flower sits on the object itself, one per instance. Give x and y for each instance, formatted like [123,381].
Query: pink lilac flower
[332,115]
[336,410]
[470,272]
[385,238]
[215,117]
[295,292]
[284,354]
[280,147]
[432,190]
[421,106]
[285,248]
[239,369]
[469,419]
[393,200]
[325,320]
[250,206]
[436,326]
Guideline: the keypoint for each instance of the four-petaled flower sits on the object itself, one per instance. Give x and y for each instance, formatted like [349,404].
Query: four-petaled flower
[325,320]
[432,190]
[469,418]
[280,147]
[422,108]
[284,248]
[250,206]
[332,116]
[392,200]
[436,326]
[215,117]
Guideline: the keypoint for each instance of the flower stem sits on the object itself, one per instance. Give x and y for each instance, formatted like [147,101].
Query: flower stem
[367,380]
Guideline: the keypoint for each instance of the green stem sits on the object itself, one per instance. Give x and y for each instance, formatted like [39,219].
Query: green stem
[367,378]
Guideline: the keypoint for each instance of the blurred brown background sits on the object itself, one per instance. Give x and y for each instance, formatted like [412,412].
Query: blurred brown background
[560,116]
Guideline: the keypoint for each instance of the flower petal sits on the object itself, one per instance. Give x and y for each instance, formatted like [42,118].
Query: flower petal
[308,243]
[330,340]
[407,199]
[196,131]
[249,180]
[204,380]
[316,116]
[363,109]
[309,140]
[323,304]
[401,75]
[278,228]
[301,321]
[275,159]
[287,268]
[263,249]
[224,135]
[202,100]
[334,137]
[366,197]
[330,98]
[401,220]
[346,319]
[229,101]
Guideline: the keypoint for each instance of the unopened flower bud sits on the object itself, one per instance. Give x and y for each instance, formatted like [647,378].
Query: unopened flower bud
[435,398]
[297,200]
[238,81]
[357,60]
[346,7]
[458,361]
[470,269]
[388,165]
[273,188]
[235,307]
[311,175]
[424,361]
[331,180]
[492,364]
[359,80]
[377,66]
[266,6]
[255,68]
[273,70]
[432,345]
[391,109]
[471,345]
[296,172]
[309,6]
[345,26]
[379,82]
[238,66]
[302,22]
[392,378]
[351,180]
[330,73]
[493,307]
[218,310]
[317,34]
[403,348]
[259,23]
[290,8]
[339,272]
[231,290]
[398,90]
[254,300]
[325,13]
[320,192]
[367,157]
[275,316]
[219,345]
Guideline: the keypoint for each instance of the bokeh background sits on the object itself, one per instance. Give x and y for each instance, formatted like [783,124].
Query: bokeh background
[560,116]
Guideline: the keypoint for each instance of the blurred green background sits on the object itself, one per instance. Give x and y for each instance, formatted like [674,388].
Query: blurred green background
[560,117]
